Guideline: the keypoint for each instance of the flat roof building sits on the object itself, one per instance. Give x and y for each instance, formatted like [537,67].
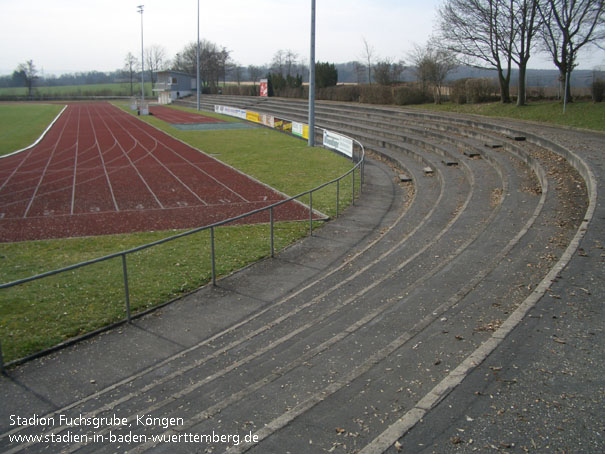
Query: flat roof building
[172,85]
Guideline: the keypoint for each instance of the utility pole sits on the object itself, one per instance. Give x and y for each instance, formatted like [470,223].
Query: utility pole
[198,56]
[140,9]
[312,80]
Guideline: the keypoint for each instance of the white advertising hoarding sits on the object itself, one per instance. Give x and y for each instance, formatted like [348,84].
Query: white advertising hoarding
[297,128]
[232,111]
[338,142]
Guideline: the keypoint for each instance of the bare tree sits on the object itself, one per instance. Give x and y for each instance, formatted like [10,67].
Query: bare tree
[569,26]
[29,72]
[433,64]
[226,65]
[278,62]
[479,31]
[130,66]
[290,61]
[255,73]
[214,62]
[155,60]
[360,70]
[386,72]
[525,25]
[238,71]
[369,54]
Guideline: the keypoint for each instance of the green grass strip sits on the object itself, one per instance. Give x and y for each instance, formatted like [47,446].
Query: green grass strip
[579,114]
[22,124]
[43,313]
[110,89]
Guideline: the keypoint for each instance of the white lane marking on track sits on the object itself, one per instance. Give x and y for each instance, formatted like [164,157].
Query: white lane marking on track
[104,164]
[150,153]
[192,164]
[52,153]
[73,184]
[126,154]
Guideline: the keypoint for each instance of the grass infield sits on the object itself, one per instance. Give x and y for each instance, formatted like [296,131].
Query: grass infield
[22,124]
[43,313]
[59,91]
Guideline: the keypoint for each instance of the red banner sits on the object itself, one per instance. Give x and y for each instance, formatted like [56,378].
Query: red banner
[264,87]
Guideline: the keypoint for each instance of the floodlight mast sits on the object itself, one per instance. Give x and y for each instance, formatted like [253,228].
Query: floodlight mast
[140,10]
[198,56]
[312,80]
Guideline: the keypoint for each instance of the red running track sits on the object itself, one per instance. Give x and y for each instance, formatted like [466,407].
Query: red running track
[100,170]
[174,116]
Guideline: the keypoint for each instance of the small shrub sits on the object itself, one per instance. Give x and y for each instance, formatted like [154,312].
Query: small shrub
[479,90]
[345,93]
[598,90]
[458,91]
[537,93]
[472,90]
[376,94]
[406,95]
[240,90]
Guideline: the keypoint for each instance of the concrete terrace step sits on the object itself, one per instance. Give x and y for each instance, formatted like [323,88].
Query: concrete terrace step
[336,341]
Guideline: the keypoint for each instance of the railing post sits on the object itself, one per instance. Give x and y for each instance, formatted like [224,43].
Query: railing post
[2,369]
[337,195]
[212,256]
[362,175]
[272,237]
[126,291]
[311,213]
[353,174]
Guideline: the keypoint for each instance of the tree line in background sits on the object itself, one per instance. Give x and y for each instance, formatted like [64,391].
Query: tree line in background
[499,35]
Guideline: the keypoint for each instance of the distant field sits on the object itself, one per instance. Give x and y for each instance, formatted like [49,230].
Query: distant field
[22,124]
[121,89]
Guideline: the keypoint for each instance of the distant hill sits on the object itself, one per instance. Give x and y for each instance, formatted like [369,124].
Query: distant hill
[535,77]
[347,73]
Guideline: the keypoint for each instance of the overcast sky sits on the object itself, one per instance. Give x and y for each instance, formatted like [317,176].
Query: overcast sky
[82,35]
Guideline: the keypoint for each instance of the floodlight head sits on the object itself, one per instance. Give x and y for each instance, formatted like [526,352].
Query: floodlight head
[140,8]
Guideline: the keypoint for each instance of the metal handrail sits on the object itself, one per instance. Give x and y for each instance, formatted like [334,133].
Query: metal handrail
[123,254]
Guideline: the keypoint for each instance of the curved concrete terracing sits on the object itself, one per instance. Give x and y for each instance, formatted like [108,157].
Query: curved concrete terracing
[420,321]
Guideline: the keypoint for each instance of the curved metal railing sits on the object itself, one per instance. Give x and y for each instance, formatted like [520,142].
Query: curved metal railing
[358,167]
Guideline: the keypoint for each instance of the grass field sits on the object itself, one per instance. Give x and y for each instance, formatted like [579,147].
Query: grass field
[22,124]
[580,114]
[45,312]
[120,89]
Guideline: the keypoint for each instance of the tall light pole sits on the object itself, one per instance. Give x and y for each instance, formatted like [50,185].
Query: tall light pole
[140,10]
[198,55]
[312,80]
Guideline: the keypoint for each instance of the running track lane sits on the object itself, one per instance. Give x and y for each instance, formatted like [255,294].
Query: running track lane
[174,116]
[100,170]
